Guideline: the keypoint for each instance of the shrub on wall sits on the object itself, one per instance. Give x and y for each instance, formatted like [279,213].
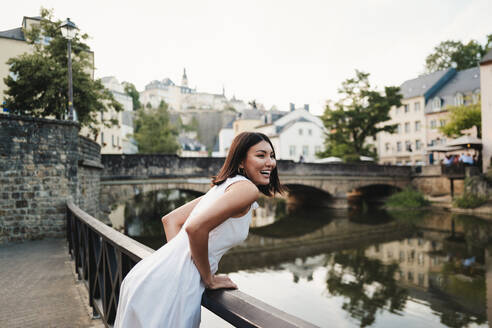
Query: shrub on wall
[469,200]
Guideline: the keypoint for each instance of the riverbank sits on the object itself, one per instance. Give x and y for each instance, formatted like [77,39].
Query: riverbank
[445,202]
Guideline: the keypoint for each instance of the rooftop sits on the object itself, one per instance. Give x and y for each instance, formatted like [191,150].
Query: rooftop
[425,85]
[15,33]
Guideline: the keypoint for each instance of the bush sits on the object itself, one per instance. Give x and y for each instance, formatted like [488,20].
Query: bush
[408,198]
[469,200]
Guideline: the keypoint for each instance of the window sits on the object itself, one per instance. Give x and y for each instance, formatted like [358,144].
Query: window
[292,151]
[442,122]
[310,132]
[406,108]
[305,150]
[433,124]
[408,145]
[476,96]
[420,258]
[102,138]
[458,99]
[117,140]
[407,127]
[317,149]
[417,126]
[387,147]
[398,146]
[418,144]
[416,106]
[421,279]
[410,276]
[436,104]
[300,132]
[398,129]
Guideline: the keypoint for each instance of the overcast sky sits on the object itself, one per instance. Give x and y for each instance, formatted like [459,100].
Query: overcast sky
[273,51]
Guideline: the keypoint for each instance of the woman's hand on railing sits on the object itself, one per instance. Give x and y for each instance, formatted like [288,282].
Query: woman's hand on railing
[221,281]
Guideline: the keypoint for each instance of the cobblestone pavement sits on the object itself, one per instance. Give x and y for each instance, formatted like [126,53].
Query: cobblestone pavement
[39,289]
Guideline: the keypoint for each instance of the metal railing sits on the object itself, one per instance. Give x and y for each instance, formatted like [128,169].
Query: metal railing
[103,256]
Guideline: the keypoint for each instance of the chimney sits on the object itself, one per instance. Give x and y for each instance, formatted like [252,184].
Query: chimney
[292,107]
[306,107]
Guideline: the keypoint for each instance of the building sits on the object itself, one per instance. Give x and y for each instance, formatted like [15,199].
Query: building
[294,134]
[13,43]
[182,98]
[462,89]
[224,141]
[407,146]
[116,139]
[424,109]
[486,86]
[190,147]
[247,120]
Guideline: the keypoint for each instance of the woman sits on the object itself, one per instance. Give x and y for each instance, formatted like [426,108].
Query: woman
[165,289]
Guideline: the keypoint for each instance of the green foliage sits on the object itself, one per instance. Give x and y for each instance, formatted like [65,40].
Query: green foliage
[469,200]
[154,132]
[462,118]
[449,53]
[356,117]
[407,198]
[131,90]
[39,85]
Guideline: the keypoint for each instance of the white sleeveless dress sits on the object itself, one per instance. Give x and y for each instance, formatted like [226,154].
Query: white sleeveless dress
[165,288]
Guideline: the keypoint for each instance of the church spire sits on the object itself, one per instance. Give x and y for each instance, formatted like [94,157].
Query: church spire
[184,80]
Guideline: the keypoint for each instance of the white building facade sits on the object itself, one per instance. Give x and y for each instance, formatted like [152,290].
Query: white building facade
[297,133]
[117,139]
[486,86]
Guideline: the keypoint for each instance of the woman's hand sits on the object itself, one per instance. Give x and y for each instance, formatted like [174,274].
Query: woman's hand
[221,281]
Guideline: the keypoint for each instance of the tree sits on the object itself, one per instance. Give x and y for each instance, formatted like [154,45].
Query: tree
[131,90]
[154,132]
[358,115]
[462,118]
[38,84]
[457,54]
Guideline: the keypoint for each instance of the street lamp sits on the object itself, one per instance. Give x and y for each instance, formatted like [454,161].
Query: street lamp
[69,29]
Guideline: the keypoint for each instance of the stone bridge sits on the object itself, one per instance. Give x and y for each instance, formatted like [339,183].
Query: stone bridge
[125,176]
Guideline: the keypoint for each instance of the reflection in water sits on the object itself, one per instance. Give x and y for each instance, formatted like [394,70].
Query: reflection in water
[367,285]
[413,268]
[141,215]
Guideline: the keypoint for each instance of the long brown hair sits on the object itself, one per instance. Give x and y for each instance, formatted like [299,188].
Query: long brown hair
[237,153]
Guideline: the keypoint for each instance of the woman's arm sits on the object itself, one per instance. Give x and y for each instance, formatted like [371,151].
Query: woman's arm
[173,221]
[238,197]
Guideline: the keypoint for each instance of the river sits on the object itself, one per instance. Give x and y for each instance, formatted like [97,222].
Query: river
[347,268]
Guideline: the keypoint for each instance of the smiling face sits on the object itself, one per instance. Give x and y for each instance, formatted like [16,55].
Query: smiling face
[259,163]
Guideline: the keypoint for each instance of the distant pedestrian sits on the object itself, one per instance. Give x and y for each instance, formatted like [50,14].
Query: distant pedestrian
[301,159]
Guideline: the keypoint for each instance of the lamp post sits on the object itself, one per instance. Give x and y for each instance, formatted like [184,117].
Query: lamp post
[69,29]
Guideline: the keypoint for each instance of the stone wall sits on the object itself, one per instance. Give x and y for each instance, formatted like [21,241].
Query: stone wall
[89,175]
[430,181]
[39,172]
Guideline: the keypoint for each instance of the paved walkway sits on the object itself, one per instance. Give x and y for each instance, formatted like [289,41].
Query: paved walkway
[39,289]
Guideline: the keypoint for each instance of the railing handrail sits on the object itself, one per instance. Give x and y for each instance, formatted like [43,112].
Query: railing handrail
[234,306]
